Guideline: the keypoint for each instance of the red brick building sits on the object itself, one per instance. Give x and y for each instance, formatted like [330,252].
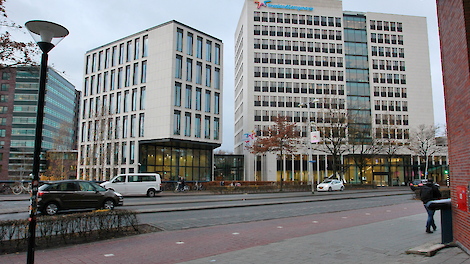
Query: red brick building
[454,29]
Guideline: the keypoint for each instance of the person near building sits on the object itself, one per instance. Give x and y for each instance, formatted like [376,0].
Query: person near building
[429,192]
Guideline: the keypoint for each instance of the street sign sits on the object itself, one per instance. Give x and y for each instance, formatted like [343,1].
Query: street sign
[315,136]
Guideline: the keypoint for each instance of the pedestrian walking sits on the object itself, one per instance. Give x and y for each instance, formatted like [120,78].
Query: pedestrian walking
[430,192]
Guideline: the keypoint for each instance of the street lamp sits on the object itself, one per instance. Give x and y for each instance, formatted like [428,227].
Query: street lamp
[309,135]
[47,35]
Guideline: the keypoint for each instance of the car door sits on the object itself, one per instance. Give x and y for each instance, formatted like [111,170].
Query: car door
[90,198]
[336,185]
[119,184]
[66,193]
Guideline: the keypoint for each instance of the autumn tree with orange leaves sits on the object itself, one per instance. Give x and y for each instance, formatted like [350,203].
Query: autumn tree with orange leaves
[282,137]
[13,53]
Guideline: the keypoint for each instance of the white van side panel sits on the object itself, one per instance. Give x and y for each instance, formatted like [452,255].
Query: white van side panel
[133,186]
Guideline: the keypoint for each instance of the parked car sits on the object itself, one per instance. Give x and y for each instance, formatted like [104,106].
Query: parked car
[416,184]
[75,195]
[330,185]
[135,184]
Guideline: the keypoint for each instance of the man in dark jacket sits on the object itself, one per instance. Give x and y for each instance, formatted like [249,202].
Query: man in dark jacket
[428,193]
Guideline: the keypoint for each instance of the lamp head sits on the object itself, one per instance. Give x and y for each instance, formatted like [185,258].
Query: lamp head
[46,34]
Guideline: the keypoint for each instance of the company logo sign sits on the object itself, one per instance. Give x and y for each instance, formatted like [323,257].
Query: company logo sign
[280,6]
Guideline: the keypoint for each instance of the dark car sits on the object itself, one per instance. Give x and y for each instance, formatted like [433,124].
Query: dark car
[75,195]
[416,184]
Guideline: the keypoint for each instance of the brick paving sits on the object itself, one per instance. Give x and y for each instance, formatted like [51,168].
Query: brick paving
[372,235]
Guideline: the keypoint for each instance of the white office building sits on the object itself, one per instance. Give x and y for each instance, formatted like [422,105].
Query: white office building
[152,102]
[305,60]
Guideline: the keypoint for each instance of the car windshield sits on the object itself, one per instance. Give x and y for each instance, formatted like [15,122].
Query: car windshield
[98,187]
[44,186]
[327,181]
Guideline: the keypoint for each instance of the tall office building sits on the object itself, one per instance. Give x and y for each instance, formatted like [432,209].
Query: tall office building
[18,104]
[312,61]
[152,102]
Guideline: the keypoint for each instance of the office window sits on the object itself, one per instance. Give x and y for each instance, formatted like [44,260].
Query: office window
[216,103]
[179,39]
[135,78]
[98,84]
[145,46]
[197,129]
[133,121]
[129,51]
[198,73]
[208,101]
[198,99]
[177,122]
[189,70]
[93,63]
[187,124]
[216,128]
[126,101]
[119,78]
[188,96]
[217,54]
[134,100]
[124,127]
[105,81]
[117,128]
[124,153]
[127,80]
[189,44]
[207,127]
[113,56]
[84,108]
[111,104]
[178,66]
[106,58]
[142,98]
[208,76]
[199,48]
[118,103]
[143,78]
[177,94]
[6,86]
[112,80]
[121,53]
[136,48]
[208,51]
[141,125]
[217,78]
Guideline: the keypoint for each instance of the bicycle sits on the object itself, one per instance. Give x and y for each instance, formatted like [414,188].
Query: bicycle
[20,187]
[198,186]
[5,189]
[178,189]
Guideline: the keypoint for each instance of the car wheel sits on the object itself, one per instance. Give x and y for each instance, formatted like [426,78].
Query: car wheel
[108,204]
[330,189]
[51,208]
[342,188]
[151,193]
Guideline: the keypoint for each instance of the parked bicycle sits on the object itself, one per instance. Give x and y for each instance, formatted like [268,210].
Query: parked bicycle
[21,187]
[5,189]
[198,186]
[180,188]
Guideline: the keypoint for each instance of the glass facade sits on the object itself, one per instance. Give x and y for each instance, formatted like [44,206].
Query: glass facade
[172,160]
[228,167]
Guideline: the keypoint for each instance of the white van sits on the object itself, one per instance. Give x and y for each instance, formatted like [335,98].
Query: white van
[135,184]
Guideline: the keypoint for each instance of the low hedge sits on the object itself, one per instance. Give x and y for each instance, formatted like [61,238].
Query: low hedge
[68,229]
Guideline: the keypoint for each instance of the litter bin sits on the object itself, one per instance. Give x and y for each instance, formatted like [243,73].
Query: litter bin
[446,218]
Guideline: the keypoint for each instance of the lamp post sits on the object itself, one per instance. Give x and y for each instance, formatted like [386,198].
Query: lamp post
[309,135]
[47,35]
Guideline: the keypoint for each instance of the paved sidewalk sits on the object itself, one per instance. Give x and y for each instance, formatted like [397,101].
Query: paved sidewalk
[371,235]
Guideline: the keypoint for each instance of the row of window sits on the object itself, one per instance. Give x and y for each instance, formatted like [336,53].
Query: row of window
[388,65]
[112,153]
[296,116]
[389,119]
[110,80]
[388,52]
[383,105]
[114,103]
[390,78]
[296,19]
[296,59]
[392,133]
[6,75]
[209,82]
[188,99]
[289,101]
[386,25]
[288,73]
[386,38]
[199,46]
[397,92]
[197,125]
[303,88]
[112,128]
[273,44]
[312,33]
[128,51]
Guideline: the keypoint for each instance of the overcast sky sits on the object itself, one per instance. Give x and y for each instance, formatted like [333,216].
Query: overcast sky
[94,23]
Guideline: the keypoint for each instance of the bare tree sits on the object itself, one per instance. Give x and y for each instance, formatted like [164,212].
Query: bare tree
[423,142]
[14,52]
[282,137]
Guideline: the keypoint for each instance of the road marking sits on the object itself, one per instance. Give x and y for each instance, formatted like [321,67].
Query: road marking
[315,222]
[367,213]
[109,255]
[388,211]
[179,243]
[344,217]
[235,233]
[279,227]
